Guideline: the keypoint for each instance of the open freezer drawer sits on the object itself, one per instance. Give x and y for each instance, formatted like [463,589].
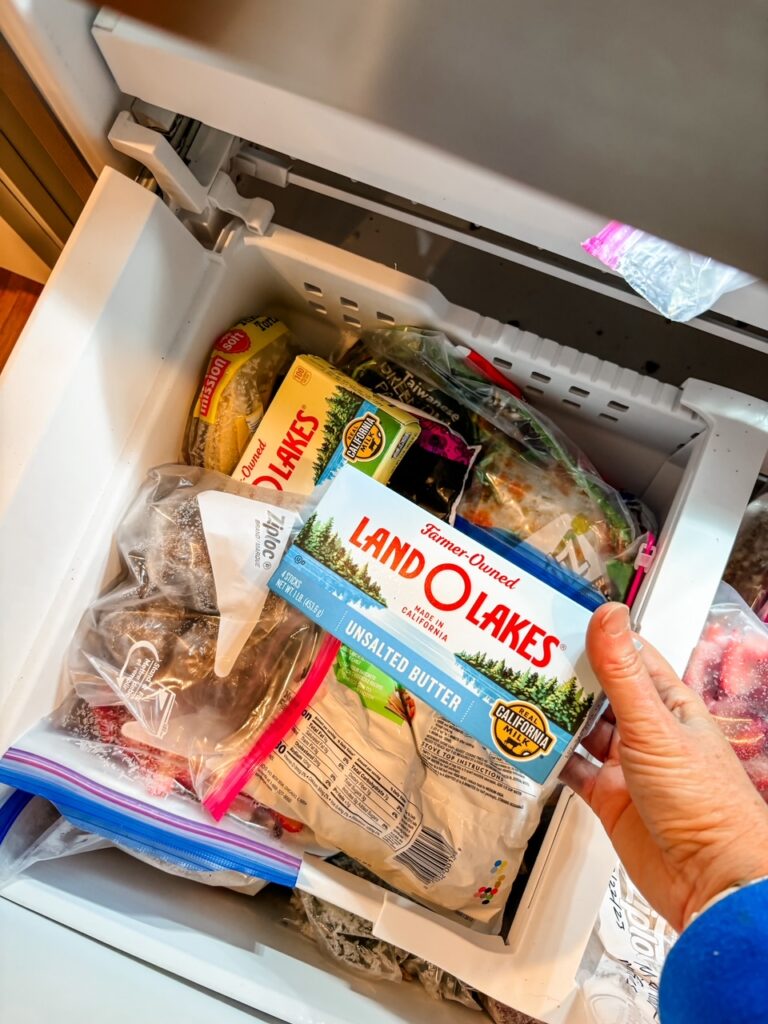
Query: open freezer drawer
[98,390]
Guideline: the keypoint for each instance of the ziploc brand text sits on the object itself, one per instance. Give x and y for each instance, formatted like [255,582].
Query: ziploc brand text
[484,638]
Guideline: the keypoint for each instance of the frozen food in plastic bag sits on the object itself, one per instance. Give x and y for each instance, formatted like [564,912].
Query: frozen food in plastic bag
[679,283]
[239,381]
[190,641]
[32,830]
[530,482]
[137,797]
[348,939]
[378,774]
[729,670]
[436,469]
[747,569]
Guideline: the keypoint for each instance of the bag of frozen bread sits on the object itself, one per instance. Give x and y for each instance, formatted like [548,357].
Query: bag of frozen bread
[377,773]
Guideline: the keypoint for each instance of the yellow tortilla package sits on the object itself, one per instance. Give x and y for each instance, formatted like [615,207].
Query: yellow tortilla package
[239,381]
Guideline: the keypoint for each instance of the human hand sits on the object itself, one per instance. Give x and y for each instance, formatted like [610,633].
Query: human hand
[676,803]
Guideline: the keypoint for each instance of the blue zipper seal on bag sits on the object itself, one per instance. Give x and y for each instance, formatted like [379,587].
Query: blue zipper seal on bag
[533,561]
[93,813]
[11,809]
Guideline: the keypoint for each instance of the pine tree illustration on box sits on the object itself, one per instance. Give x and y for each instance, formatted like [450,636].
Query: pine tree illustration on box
[319,539]
[565,703]
[342,406]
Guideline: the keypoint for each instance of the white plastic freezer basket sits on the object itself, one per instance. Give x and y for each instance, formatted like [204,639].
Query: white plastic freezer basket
[98,390]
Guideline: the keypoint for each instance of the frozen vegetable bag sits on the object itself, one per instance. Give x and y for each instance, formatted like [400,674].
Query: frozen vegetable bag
[529,483]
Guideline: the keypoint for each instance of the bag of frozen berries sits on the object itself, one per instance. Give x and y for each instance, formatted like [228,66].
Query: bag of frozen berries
[729,670]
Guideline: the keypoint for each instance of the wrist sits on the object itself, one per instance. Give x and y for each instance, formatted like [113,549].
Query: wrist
[721,896]
[731,867]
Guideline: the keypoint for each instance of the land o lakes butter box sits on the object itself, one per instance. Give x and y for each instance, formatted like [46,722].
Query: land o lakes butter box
[492,637]
[318,421]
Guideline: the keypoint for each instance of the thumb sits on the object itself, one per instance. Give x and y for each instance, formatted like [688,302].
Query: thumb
[615,656]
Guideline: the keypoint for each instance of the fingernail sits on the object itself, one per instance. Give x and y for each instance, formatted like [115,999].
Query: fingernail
[638,643]
[616,621]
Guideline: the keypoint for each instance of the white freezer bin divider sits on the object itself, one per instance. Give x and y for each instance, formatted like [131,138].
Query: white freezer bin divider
[705,515]
[98,391]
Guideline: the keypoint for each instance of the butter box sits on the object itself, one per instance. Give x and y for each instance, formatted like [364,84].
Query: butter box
[490,635]
[318,421]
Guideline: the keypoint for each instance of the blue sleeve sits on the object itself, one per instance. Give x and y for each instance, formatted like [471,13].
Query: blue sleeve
[717,971]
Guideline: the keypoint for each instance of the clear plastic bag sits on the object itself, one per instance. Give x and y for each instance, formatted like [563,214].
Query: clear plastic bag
[747,569]
[38,832]
[454,825]
[619,974]
[729,670]
[530,482]
[349,940]
[32,830]
[190,643]
[679,283]
[239,382]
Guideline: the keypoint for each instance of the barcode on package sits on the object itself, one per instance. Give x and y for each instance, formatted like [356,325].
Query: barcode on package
[429,856]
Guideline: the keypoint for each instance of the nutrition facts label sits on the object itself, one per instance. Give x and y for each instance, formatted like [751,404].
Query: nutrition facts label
[348,783]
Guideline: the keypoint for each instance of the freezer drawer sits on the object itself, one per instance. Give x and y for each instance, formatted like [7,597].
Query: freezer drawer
[98,391]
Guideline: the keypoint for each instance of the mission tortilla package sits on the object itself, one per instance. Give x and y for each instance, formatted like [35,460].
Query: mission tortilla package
[491,637]
[379,774]
[237,386]
[318,421]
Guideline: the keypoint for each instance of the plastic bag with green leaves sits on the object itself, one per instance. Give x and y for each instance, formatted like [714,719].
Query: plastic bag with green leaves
[530,482]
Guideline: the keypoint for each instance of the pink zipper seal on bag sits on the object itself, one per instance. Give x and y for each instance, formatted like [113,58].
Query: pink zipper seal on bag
[220,799]
[642,565]
[610,244]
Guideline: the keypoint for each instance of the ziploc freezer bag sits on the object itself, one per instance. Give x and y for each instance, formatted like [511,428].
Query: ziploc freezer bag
[491,636]
[189,641]
[128,795]
[530,483]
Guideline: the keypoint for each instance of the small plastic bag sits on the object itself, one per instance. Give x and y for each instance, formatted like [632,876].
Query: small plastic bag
[679,283]
[530,483]
[729,670]
[32,830]
[190,642]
